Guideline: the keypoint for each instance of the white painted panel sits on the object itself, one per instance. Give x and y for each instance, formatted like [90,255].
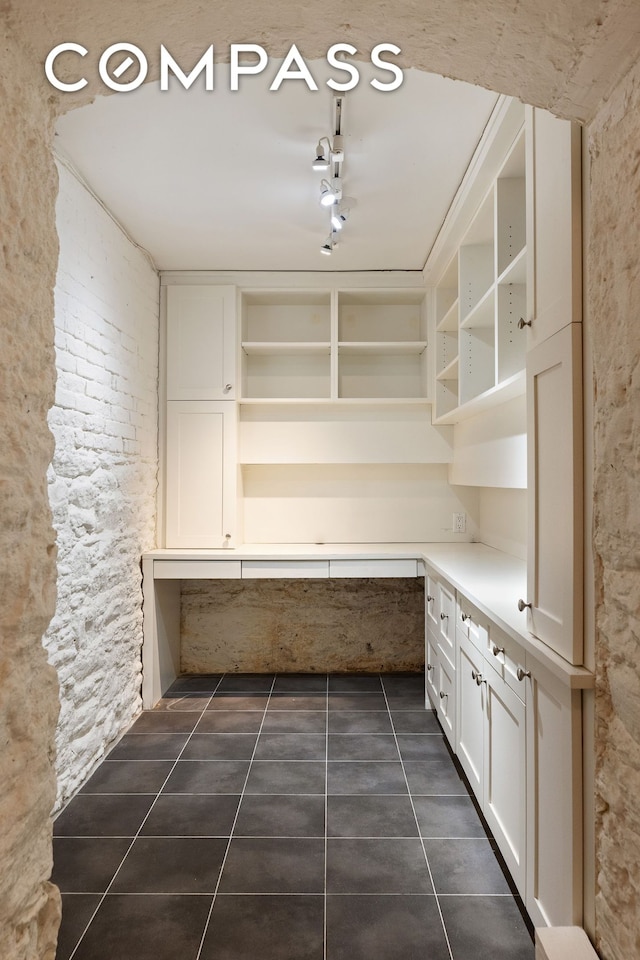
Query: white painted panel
[432,669]
[503,520]
[447,625]
[201,342]
[554,805]
[490,450]
[373,568]
[200,473]
[446,703]
[196,570]
[284,569]
[470,714]
[554,566]
[375,503]
[505,773]
[554,224]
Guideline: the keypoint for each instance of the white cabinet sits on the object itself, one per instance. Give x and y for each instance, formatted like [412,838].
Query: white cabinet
[200,473]
[471,712]
[554,224]
[201,342]
[554,437]
[554,799]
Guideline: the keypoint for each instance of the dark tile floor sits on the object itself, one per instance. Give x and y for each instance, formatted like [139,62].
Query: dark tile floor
[283,818]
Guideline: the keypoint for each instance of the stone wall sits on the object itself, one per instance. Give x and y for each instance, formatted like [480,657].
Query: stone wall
[29,905]
[302,625]
[103,476]
[614,305]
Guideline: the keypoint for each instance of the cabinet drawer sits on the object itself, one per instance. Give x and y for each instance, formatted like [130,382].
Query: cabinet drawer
[196,570]
[284,569]
[432,603]
[505,656]
[373,568]
[472,623]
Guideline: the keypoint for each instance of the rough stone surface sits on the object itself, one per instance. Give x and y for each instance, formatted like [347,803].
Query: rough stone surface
[302,625]
[29,906]
[614,304]
[102,480]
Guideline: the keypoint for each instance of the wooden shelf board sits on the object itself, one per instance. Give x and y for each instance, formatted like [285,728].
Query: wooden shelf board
[340,401]
[284,348]
[450,372]
[382,347]
[516,271]
[482,314]
[449,321]
[514,386]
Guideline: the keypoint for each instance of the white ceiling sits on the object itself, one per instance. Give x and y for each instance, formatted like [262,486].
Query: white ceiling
[223,181]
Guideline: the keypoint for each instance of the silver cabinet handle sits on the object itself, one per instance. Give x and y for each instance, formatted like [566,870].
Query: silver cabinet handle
[521,674]
[465,616]
[522,323]
[523,606]
[443,694]
[477,677]
[444,616]
[429,667]
[429,599]
[496,650]
[227,387]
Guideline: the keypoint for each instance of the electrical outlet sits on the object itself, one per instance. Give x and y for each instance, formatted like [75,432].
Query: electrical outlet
[459,522]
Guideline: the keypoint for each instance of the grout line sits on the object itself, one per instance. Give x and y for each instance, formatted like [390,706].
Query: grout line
[404,773]
[233,825]
[73,952]
[326,819]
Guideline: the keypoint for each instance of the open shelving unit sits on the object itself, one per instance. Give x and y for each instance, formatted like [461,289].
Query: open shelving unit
[480,298]
[334,346]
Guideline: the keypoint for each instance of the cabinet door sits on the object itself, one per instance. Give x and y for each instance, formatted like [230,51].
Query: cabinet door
[201,342]
[447,624]
[446,703]
[554,801]
[431,670]
[554,453]
[554,227]
[432,604]
[470,713]
[504,803]
[200,473]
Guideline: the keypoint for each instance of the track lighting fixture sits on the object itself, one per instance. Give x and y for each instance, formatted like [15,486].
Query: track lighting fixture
[330,193]
[330,158]
[330,244]
[323,155]
[339,216]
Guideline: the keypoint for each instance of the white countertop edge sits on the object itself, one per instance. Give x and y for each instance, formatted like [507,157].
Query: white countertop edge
[489,578]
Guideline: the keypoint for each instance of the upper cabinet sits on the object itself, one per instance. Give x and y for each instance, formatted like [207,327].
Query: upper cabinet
[554,224]
[201,342]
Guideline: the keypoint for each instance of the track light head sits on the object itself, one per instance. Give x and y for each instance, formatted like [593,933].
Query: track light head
[337,149]
[330,193]
[339,216]
[322,160]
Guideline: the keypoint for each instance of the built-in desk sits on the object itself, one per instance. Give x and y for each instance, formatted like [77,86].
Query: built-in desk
[492,580]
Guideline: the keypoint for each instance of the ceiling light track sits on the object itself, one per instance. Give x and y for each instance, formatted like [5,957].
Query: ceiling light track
[329,160]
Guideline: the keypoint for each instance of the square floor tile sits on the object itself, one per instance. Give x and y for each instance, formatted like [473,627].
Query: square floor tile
[286,776]
[259,865]
[102,816]
[220,746]
[310,700]
[370,816]
[465,867]
[230,721]
[413,700]
[356,701]
[208,776]
[238,701]
[284,816]
[354,683]
[448,817]
[434,778]
[164,721]
[171,865]
[422,746]
[398,685]
[268,927]
[362,746]
[365,777]
[295,721]
[191,816]
[304,682]
[377,866]
[77,910]
[503,932]
[359,721]
[415,721]
[87,864]
[149,746]
[291,746]
[385,927]
[143,927]
[246,683]
[129,776]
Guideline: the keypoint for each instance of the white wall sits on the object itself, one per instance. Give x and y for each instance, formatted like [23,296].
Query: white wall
[502,520]
[103,477]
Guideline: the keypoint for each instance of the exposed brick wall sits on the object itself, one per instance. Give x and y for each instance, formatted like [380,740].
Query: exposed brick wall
[103,477]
